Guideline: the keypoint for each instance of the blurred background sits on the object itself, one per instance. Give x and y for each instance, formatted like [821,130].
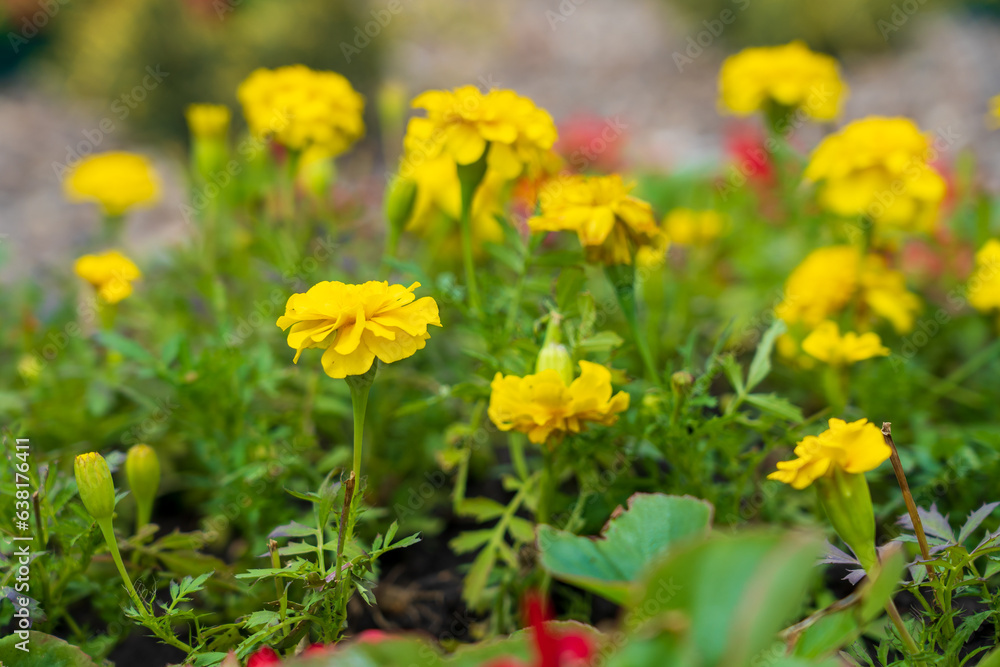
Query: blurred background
[82,76]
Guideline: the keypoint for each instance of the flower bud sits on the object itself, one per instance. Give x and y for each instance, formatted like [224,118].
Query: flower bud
[848,505]
[556,357]
[97,490]
[142,468]
[209,127]
[399,199]
[681,382]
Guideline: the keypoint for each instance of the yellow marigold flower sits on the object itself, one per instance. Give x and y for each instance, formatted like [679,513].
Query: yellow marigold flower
[828,345]
[116,181]
[301,107]
[854,448]
[438,203]
[684,226]
[984,284]
[828,278]
[820,286]
[994,116]
[461,123]
[356,323]
[884,292]
[111,273]
[878,167]
[790,75]
[545,408]
[208,121]
[610,223]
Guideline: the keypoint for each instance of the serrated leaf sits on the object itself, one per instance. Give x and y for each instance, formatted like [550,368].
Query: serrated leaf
[293,529]
[470,540]
[775,405]
[975,519]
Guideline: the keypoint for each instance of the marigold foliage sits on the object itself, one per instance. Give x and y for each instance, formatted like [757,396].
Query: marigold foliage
[111,273]
[790,75]
[878,167]
[301,107]
[610,223]
[354,324]
[854,447]
[116,181]
[546,409]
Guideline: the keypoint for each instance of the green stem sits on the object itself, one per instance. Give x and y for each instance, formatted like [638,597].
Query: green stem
[109,536]
[546,487]
[359,402]
[622,279]
[469,178]
[904,634]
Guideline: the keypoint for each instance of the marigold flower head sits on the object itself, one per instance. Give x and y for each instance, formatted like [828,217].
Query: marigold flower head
[208,121]
[856,447]
[828,278]
[821,285]
[828,345]
[610,223]
[462,123]
[117,181]
[111,273]
[791,76]
[301,107]
[685,226]
[878,167]
[545,408]
[357,323]
[994,117]
[984,284]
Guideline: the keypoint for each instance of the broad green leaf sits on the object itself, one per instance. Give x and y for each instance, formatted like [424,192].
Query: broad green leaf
[602,341]
[731,593]
[761,364]
[43,651]
[634,538]
[483,509]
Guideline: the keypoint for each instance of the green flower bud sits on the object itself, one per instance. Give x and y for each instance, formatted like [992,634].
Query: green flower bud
[556,357]
[848,505]
[142,468]
[399,199]
[97,490]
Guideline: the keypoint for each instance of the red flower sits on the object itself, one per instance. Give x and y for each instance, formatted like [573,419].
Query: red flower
[264,658]
[590,142]
[747,149]
[567,649]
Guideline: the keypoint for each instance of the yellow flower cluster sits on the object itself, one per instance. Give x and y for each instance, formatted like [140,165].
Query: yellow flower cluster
[791,76]
[610,224]
[826,343]
[878,167]
[684,226]
[463,123]
[546,409]
[111,273]
[208,121]
[117,181]
[854,448]
[301,107]
[828,278]
[356,323]
[984,285]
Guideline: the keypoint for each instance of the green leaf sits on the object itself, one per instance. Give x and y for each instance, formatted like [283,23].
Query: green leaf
[483,509]
[776,406]
[470,541]
[43,651]
[602,341]
[730,593]
[761,364]
[127,348]
[878,590]
[734,373]
[633,539]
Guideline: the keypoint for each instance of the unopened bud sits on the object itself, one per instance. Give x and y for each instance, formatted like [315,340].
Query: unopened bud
[142,467]
[97,490]
[555,356]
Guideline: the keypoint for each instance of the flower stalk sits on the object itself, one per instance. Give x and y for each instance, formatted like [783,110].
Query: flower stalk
[469,178]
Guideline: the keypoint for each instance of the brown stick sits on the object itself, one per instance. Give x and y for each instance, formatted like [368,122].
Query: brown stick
[911,507]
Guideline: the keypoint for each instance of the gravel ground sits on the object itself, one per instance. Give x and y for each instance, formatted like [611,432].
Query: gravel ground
[610,57]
